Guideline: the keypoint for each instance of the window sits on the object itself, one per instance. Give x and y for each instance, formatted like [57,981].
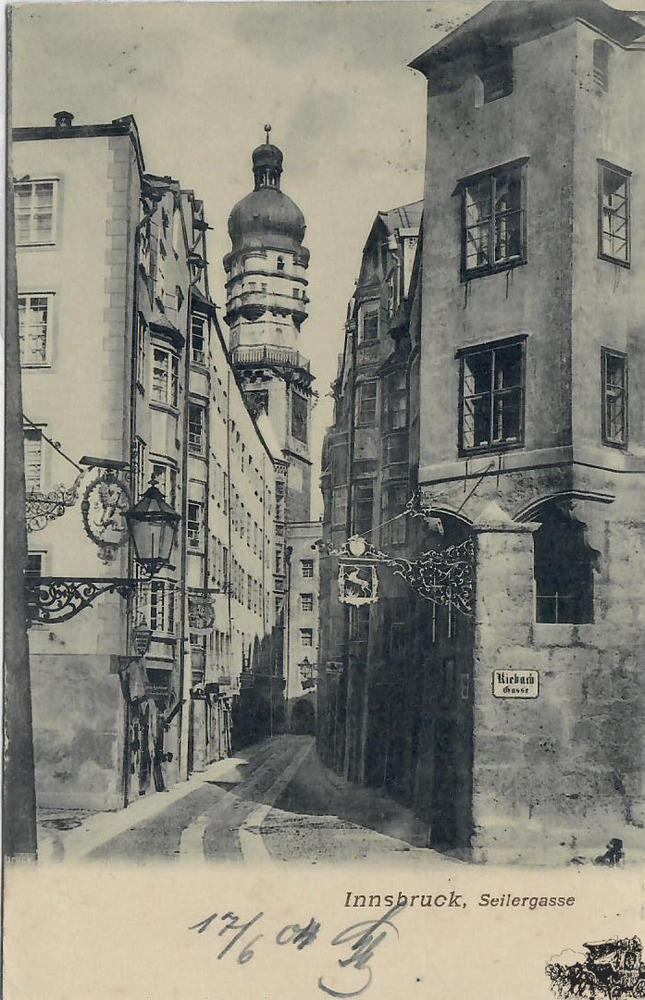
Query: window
[33,572]
[395,496]
[165,376]
[194,524]
[299,417]
[366,403]
[396,450]
[162,606]
[197,343]
[395,409]
[307,602]
[139,462]
[614,408]
[165,477]
[33,459]
[34,328]
[493,234]
[363,498]
[141,350]
[497,74]
[196,429]
[359,623]
[492,396]
[306,634]
[601,56]
[370,327]
[307,568]
[280,263]
[613,212]
[296,293]
[35,210]
[563,569]
[257,400]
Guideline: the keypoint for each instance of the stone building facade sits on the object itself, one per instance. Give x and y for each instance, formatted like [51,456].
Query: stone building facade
[521,732]
[365,485]
[126,378]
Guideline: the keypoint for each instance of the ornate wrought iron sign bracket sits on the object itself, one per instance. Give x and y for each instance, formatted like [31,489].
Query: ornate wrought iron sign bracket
[54,599]
[444,576]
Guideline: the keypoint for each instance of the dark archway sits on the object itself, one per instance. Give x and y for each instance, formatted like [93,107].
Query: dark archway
[303,718]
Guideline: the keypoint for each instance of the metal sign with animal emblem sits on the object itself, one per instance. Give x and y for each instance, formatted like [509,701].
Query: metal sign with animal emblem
[105,501]
[357,584]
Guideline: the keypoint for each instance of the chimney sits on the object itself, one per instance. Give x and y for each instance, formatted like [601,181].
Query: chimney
[63,120]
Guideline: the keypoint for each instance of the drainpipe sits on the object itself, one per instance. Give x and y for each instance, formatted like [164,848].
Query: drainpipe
[349,696]
[185,666]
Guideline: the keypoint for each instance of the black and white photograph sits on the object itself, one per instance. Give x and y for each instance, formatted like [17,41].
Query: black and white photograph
[324,517]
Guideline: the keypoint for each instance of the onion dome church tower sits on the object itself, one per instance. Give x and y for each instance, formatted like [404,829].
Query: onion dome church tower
[266,306]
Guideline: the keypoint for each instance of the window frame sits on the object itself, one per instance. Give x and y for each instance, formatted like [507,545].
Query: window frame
[172,377]
[307,603]
[164,608]
[307,569]
[603,166]
[35,435]
[195,525]
[28,297]
[30,242]
[361,419]
[368,313]
[198,357]
[607,353]
[515,260]
[166,480]
[492,346]
[201,448]
[306,636]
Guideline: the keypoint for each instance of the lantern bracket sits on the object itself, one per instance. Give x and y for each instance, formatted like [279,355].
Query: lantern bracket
[54,599]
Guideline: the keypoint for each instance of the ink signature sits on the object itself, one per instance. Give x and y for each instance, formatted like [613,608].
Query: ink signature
[359,941]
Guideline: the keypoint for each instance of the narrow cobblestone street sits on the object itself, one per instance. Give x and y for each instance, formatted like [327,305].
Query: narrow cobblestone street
[275,802]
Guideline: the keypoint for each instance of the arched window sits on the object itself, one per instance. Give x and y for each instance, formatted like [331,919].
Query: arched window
[601,56]
[563,568]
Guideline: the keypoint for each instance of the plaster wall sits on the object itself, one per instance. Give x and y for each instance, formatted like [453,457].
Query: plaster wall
[535,121]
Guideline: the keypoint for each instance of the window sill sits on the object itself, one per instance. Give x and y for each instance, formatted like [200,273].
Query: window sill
[491,449]
[35,245]
[158,404]
[196,454]
[614,260]
[483,272]
[616,445]
[36,364]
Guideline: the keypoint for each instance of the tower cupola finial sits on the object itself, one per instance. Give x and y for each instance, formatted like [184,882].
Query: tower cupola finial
[267,164]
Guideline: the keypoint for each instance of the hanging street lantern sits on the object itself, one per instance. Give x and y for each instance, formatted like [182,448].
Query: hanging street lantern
[141,636]
[152,524]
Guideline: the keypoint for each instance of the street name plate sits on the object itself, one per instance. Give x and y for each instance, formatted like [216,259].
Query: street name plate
[516,683]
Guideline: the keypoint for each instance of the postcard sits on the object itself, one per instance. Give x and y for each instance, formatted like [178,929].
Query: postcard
[325,506]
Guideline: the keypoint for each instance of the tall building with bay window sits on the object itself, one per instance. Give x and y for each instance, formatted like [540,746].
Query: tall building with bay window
[522,735]
[363,683]
[266,305]
[127,381]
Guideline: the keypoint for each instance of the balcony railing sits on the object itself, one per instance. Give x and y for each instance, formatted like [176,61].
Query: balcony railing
[270,354]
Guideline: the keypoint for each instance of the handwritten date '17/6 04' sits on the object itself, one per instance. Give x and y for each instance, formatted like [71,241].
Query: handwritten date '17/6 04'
[359,942]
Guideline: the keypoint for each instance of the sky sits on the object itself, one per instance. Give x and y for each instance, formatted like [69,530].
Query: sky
[202,79]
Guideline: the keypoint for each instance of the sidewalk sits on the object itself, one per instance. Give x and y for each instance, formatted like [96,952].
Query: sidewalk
[77,841]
